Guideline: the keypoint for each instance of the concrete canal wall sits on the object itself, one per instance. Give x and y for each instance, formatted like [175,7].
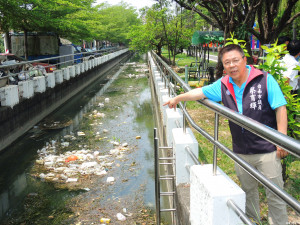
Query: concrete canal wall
[25,104]
[201,197]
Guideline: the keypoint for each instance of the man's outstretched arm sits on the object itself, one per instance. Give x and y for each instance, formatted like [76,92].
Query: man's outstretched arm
[192,95]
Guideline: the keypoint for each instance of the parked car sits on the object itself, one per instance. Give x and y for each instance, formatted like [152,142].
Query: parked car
[91,53]
[78,54]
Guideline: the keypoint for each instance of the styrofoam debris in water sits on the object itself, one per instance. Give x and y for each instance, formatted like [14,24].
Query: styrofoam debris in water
[115,143]
[99,115]
[65,144]
[105,130]
[72,180]
[114,151]
[88,164]
[100,173]
[106,100]
[101,105]
[100,157]
[110,179]
[64,177]
[121,217]
[80,133]
[125,144]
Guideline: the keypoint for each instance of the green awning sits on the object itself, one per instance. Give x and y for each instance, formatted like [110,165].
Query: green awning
[205,37]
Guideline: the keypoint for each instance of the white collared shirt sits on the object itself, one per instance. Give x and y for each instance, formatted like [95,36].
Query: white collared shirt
[290,63]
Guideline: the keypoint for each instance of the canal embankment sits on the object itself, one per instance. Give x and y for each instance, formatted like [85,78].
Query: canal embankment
[114,109]
[15,120]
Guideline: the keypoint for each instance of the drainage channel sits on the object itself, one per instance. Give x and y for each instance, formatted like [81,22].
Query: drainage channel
[90,160]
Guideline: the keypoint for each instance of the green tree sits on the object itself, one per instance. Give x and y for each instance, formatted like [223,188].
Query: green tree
[150,34]
[116,21]
[240,15]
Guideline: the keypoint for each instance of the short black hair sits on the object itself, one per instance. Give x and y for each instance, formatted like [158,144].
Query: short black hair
[283,39]
[229,48]
[294,47]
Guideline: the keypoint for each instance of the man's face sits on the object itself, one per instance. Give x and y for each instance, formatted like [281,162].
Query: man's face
[234,64]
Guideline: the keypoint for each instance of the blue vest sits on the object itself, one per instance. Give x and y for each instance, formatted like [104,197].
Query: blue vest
[255,106]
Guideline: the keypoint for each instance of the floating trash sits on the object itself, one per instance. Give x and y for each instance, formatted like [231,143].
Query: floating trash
[65,144]
[106,100]
[72,180]
[72,158]
[138,137]
[80,133]
[110,179]
[121,217]
[105,220]
[50,125]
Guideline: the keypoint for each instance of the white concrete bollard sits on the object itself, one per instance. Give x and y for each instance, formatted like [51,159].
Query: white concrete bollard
[159,85]
[50,80]
[39,84]
[90,64]
[9,95]
[93,63]
[59,78]
[209,195]
[164,98]
[162,92]
[182,140]
[174,120]
[26,89]
[77,69]
[71,71]
[86,65]
[66,73]
[81,67]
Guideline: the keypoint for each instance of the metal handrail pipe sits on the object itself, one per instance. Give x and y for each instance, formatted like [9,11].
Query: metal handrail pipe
[275,137]
[48,59]
[194,158]
[157,183]
[248,168]
[167,210]
[231,204]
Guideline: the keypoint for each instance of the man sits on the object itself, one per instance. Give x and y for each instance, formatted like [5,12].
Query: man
[257,95]
[290,64]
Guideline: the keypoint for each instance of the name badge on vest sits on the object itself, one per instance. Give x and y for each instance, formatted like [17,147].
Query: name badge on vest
[227,92]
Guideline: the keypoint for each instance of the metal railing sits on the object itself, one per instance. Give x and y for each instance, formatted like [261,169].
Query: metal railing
[85,56]
[289,144]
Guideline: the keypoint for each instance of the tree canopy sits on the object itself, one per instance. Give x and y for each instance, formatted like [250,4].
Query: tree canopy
[272,16]
[71,19]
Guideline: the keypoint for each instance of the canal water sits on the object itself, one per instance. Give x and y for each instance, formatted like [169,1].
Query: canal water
[113,119]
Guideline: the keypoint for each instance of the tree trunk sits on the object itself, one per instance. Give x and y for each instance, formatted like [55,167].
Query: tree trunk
[7,42]
[25,45]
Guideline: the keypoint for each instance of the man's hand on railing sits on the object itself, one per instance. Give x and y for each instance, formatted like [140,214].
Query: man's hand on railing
[281,153]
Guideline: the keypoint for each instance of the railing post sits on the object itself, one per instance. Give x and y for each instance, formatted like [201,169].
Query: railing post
[216,132]
[184,119]
[157,185]
[186,74]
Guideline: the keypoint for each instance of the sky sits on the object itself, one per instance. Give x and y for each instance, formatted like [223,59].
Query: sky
[136,3]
